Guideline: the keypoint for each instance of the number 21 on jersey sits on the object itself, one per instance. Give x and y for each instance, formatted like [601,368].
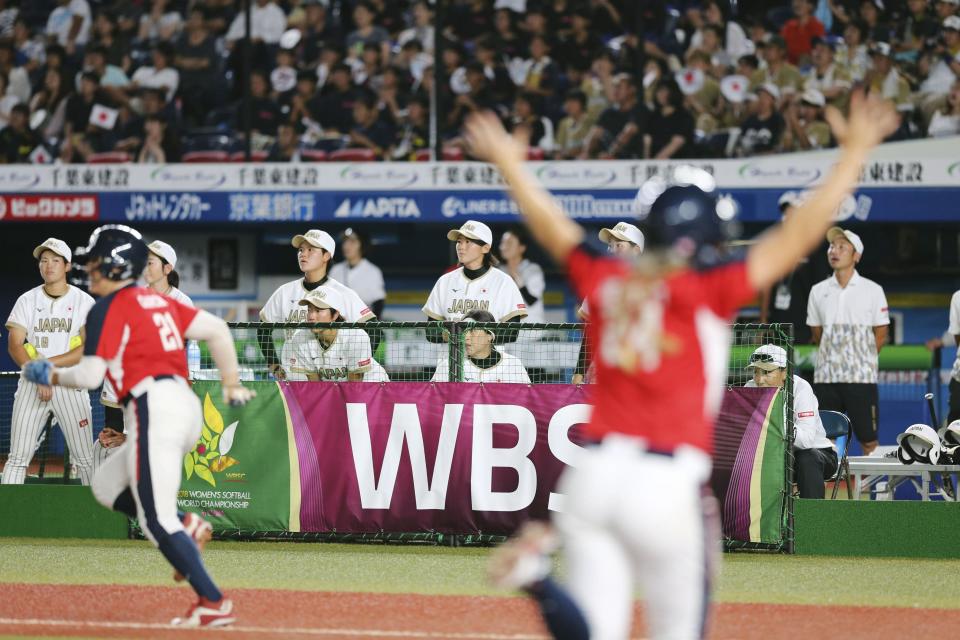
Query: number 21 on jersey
[169,333]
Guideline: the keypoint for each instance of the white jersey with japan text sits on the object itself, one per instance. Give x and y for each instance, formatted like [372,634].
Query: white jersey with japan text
[304,355]
[509,369]
[52,324]
[284,305]
[455,295]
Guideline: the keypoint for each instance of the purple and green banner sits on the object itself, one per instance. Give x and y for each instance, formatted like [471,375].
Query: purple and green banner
[453,458]
[749,465]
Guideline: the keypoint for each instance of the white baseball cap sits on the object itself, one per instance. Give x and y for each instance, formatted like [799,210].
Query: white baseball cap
[769,357]
[325,298]
[473,230]
[59,247]
[952,23]
[165,251]
[318,238]
[623,231]
[835,232]
[770,88]
[814,97]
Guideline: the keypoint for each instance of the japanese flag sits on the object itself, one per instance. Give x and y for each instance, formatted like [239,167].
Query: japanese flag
[40,155]
[103,117]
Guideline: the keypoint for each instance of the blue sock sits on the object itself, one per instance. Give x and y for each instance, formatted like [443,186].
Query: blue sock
[181,552]
[562,616]
[125,504]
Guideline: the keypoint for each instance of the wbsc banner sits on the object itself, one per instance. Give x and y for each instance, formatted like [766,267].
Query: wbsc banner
[454,458]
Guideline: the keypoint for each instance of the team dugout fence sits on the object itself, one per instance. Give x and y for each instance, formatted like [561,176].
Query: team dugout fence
[403,462]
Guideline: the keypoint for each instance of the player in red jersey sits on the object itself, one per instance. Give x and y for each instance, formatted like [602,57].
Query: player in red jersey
[136,338]
[638,509]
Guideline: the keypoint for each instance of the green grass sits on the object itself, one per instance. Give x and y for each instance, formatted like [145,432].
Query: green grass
[441,570]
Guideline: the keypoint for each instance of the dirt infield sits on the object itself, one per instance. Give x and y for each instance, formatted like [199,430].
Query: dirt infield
[115,611]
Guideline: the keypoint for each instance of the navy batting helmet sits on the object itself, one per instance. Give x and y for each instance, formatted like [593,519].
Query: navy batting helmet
[682,214]
[120,249]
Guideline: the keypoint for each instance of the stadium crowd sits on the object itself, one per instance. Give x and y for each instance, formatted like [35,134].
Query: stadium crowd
[160,80]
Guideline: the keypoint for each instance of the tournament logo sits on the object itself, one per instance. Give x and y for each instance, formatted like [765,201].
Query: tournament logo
[209,456]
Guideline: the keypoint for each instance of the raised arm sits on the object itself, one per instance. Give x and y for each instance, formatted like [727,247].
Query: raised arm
[780,249]
[548,223]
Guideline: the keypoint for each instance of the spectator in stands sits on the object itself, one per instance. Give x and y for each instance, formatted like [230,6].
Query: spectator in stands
[392,95]
[946,8]
[483,363]
[853,54]
[885,79]
[805,126]
[159,147]
[506,37]
[526,118]
[29,51]
[367,69]
[581,44]
[414,134]
[367,32]
[800,31]
[18,80]
[761,132]
[77,125]
[163,23]
[479,97]
[335,106]
[128,132]
[219,14]
[946,121]
[113,81]
[265,114]
[287,146]
[732,36]
[542,72]
[202,86]
[574,128]
[607,17]
[528,275]
[828,77]
[815,457]
[619,131]
[848,317]
[330,56]
[304,112]
[468,20]
[17,140]
[51,99]
[358,273]
[369,131]
[267,24]
[283,77]
[160,75]
[107,35]
[69,25]
[779,71]
[877,28]
[422,28]
[8,16]
[670,128]
[559,16]
[501,85]
[702,103]
[919,26]
[318,30]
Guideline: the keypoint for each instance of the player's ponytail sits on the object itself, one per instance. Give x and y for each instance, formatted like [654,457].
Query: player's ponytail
[173,279]
[490,260]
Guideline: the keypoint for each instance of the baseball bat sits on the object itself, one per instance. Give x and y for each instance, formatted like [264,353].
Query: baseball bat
[933,411]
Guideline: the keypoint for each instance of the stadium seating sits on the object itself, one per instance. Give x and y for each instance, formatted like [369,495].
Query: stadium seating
[352,155]
[108,157]
[206,156]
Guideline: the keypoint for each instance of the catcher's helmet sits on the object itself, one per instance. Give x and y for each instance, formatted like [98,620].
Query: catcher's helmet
[121,252]
[919,443]
[682,214]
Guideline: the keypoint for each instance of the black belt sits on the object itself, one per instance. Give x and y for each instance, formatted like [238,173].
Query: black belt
[164,376]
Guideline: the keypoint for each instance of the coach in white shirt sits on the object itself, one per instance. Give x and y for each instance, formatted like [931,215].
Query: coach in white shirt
[849,320]
[815,457]
[358,273]
[528,275]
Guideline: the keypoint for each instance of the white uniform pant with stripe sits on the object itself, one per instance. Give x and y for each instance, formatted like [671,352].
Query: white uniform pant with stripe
[70,408]
[634,518]
[163,421]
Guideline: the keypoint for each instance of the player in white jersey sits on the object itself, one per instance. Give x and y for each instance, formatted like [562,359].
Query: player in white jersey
[483,363]
[623,240]
[335,355]
[475,284]
[161,276]
[48,322]
[358,273]
[315,249]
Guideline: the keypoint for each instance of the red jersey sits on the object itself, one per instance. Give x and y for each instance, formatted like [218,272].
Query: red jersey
[660,347]
[140,334]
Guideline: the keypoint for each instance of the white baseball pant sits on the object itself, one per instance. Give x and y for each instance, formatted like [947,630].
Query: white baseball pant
[163,421]
[631,518]
[70,408]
